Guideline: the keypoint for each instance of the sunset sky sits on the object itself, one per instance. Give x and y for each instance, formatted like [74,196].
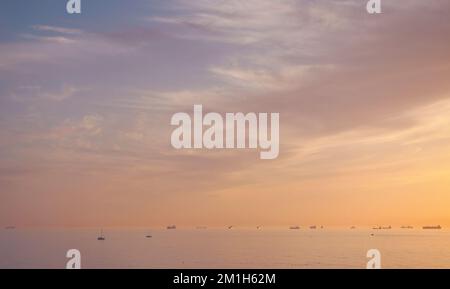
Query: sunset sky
[86,102]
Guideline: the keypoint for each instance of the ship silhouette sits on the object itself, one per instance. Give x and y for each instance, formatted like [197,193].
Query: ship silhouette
[438,227]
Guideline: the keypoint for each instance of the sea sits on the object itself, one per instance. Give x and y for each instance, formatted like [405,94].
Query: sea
[224,249]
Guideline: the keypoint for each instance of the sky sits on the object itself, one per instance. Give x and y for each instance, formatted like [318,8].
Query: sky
[86,102]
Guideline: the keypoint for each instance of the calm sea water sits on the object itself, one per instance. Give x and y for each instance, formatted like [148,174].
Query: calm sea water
[214,248]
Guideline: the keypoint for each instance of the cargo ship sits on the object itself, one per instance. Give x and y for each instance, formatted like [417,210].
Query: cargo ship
[432,227]
[382,228]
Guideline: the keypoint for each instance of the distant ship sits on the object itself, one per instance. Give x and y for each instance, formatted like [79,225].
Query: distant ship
[382,228]
[173,227]
[101,238]
[294,228]
[10,228]
[406,227]
[257,228]
[432,227]
[148,236]
[230,227]
[352,227]
[313,227]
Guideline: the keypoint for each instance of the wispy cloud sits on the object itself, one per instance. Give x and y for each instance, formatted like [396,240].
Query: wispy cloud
[38,93]
[58,30]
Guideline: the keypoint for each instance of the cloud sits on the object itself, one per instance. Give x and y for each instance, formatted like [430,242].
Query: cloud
[256,22]
[38,93]
[58,30]
[88,126]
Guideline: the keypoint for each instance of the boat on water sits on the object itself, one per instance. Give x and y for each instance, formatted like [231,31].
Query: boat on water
[382,228]
[406,227]
[432,227]
[101,237]
[148,236]
[10,228]
[172,227]
[352,227]
[294,228]
[230,227]
[313,227]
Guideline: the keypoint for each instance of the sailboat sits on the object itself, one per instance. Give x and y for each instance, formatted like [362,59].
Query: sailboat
[101,238]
